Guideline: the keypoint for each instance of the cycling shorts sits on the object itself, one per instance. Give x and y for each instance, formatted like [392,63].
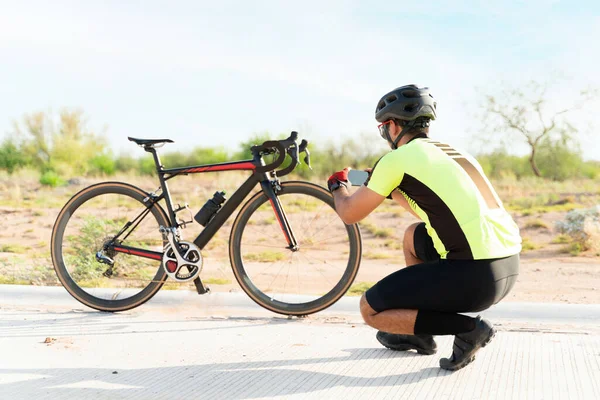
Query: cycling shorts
[444,285]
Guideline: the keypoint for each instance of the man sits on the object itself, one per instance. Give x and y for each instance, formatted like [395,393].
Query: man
[463,257]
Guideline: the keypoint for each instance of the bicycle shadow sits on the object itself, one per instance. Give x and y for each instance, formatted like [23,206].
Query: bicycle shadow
[90,323]
[234,380]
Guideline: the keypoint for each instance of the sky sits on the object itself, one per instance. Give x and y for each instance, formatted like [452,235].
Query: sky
[212,73]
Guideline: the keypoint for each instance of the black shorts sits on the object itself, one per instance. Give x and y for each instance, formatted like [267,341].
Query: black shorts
[444,285]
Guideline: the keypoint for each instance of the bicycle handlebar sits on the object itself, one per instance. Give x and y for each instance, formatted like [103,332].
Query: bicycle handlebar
[283,147]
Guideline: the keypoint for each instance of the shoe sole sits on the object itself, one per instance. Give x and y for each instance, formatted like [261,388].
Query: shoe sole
[469,360]
[406,347]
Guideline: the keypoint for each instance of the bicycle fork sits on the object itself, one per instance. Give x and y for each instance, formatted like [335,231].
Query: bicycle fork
[270,188]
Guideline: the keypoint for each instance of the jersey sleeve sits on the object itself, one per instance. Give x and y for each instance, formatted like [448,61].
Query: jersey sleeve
[386,175]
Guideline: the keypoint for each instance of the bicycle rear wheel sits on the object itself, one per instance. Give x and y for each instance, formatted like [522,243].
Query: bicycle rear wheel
[294,282]
[90,220]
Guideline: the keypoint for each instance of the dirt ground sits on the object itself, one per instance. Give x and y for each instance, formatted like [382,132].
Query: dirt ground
[28,211]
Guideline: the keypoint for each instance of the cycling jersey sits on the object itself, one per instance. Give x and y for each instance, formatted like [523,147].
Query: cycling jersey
[449,191]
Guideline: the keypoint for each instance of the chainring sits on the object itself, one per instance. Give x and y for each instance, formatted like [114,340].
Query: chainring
[186,269]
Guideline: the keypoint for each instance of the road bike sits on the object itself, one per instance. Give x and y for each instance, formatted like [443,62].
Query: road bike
[113,244]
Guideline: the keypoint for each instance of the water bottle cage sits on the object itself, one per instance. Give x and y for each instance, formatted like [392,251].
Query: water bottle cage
[181,223]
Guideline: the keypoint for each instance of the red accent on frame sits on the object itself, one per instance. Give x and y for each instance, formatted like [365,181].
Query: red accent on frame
[147,254]
[230,167]
[280,222]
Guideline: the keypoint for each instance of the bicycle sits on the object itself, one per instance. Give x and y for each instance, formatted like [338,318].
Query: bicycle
[113,244]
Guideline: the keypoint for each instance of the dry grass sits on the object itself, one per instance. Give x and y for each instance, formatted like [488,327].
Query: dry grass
[536,224]
[528,245]
[359,288]
[13,248]
[372,255]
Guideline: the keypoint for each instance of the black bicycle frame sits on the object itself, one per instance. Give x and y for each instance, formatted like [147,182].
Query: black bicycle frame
[228,207]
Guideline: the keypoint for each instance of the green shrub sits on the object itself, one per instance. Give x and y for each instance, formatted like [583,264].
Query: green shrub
[559,161]
[146,166]
[102,164]
[11,156]
[578,224]
[501,165]
[126,163]
[207,155]
[561,239]
[528,245]
[52,179]
[591,169]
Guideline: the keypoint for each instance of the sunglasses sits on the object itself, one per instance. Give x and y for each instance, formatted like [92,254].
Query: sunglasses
[384,129]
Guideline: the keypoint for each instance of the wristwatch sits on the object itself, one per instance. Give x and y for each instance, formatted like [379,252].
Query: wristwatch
[336,185]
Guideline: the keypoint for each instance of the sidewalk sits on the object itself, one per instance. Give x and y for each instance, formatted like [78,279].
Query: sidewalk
[166,350]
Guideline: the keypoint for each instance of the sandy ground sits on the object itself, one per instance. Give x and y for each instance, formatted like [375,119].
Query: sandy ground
[548,273]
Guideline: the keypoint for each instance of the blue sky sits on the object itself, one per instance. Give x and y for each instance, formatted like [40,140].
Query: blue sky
[211,73]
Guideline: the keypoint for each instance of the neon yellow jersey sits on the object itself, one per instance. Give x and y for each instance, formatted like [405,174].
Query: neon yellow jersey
[450,192]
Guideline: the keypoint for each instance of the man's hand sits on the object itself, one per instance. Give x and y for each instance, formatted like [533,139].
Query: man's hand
[338,179]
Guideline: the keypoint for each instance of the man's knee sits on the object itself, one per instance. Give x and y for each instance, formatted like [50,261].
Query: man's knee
[366,310]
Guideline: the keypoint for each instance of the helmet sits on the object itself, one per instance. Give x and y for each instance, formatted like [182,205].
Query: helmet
[406,103]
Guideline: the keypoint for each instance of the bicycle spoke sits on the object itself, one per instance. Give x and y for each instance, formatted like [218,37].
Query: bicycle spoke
[91,226]
[304,276]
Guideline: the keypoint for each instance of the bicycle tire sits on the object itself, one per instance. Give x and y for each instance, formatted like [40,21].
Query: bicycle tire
[70,213]
[319,195]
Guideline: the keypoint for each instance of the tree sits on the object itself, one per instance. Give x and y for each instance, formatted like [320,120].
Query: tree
[60,143]
[528,113]
[11,156]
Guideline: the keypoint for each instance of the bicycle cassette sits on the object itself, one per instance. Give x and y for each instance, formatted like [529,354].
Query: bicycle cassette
[182,266]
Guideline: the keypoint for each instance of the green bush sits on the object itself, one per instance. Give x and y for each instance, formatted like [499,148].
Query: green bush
[559,161]
[207,155]
[11,156]
[146,166]
[126,163]
[52,179]
[102,164]
[577,224]
[591,169]
[244,152]
[500,165]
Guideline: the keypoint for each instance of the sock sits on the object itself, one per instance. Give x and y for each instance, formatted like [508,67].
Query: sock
[442,323]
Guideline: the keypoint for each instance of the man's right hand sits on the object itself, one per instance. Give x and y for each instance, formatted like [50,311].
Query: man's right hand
[338,179]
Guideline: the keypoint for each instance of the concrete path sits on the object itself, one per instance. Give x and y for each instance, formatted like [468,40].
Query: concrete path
[51,347]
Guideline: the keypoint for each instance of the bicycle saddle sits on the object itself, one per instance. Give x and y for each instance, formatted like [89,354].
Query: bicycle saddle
[146,142]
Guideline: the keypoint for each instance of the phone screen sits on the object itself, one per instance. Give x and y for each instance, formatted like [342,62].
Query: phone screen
[357,177]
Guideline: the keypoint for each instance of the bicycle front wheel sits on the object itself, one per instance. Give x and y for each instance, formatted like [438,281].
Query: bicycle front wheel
[83,234]
[303,281]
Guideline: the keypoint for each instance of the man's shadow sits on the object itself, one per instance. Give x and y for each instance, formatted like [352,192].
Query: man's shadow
[234,380]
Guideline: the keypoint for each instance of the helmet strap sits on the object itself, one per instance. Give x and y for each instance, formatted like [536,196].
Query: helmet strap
[394,143]
[405,128]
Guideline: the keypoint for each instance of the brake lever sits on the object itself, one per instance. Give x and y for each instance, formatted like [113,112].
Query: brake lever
[307,158]
[304,149]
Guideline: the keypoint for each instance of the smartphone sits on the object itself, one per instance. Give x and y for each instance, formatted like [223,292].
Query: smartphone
[357,177]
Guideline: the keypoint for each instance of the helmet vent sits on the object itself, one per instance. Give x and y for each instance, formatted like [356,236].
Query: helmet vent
[391,99]
[411,94]
[410,107]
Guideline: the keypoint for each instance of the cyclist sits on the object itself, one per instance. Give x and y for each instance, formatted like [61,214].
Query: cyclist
[462,257]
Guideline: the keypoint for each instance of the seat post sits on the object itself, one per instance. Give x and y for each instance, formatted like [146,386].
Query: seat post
[163,182]
[151,149]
